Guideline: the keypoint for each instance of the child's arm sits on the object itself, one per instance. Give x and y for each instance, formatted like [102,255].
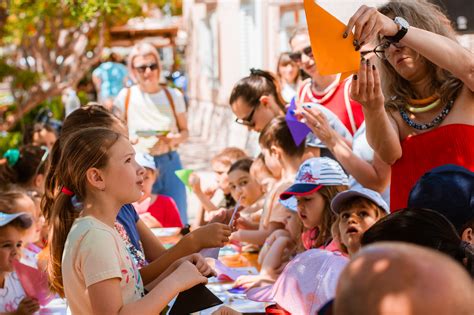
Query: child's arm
[27,306]
[268,244]
[208,236]
[256,237]
[206,202]
[273,259]
[152,246]
[106,296]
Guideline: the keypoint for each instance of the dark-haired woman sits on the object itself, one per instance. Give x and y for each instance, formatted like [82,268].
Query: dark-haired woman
[422,115]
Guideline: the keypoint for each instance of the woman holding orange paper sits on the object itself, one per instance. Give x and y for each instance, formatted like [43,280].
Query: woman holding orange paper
[327,90]
[422,115]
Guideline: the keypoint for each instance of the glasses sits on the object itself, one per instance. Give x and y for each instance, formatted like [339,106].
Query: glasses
[151,66]
[379,50]
[247,121]
[296,56]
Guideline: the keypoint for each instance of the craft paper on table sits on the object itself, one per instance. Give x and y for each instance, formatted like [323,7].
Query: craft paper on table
[332,53]
[225,273]
[183,175]
[196,299]
[298,130]
[34,282]
[210,252]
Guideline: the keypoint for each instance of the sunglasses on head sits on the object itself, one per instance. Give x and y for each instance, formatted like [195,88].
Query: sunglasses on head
[296,56]
[151,66]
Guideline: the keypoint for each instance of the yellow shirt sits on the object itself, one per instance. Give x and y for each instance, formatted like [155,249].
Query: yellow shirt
[95,252]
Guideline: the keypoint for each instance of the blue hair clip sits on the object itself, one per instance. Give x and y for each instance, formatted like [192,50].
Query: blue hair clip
[12,156]
[78,206]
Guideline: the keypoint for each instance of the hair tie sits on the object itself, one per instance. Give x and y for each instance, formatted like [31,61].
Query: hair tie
[67,191]
[12,156]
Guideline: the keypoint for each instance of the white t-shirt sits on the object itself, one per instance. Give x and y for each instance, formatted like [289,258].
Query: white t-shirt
[149,112]
[95,252]
[11,294]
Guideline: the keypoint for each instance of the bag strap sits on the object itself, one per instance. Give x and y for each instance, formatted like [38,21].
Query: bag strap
[127,103]
[171,101]
[168,96]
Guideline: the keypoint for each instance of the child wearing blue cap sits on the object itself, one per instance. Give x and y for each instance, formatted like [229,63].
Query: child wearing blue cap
[12,296]
[357,210]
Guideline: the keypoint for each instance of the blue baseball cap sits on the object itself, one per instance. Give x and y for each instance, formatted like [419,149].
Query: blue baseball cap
[369,194]
[6,218]
[447,189]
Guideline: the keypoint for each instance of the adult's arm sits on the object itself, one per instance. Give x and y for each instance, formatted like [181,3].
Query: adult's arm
[375,175]
[443,52]
[369,23]
[382,130]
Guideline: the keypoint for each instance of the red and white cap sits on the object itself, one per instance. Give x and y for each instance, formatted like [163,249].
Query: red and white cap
[313,174]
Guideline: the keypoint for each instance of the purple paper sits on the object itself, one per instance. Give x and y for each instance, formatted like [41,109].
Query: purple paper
[298,130]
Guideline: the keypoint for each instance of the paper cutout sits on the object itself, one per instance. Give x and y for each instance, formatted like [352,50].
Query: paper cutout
[225,273]
[183,176]
[34,282]
[193,300]
[298,130]
[332,53]
[210,252]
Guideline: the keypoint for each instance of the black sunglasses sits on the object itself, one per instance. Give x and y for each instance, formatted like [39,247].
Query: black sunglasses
[296,56]
[151,66]
[248,121]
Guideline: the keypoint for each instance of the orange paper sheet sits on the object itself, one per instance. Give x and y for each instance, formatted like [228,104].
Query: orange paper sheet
[332,53]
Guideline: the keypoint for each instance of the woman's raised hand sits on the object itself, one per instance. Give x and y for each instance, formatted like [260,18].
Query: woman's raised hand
[366,87]
[368,23]
[319,125]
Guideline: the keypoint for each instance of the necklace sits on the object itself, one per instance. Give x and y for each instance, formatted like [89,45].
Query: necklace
[423,101]
[436,121]
[423,109]
[323,96]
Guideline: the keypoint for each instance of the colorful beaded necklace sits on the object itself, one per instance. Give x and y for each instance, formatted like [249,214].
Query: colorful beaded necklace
[435,122]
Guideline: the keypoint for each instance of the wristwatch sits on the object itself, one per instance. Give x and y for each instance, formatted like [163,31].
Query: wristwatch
[402,30]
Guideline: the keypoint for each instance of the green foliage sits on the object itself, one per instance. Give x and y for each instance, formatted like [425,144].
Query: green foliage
[9,140]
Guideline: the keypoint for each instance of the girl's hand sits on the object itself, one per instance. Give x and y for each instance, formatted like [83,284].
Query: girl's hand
[200,263]
[195,183]
[319,125]
[28,306]
[366,88]
[368,23]
[187,276]
[243,223]
[211,235]
[225,310]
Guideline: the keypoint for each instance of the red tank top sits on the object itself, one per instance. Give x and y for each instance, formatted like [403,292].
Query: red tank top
[338,101]
[450,144]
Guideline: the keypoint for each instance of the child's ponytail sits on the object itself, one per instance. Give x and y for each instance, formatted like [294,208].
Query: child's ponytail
[81,151]
[61,218]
